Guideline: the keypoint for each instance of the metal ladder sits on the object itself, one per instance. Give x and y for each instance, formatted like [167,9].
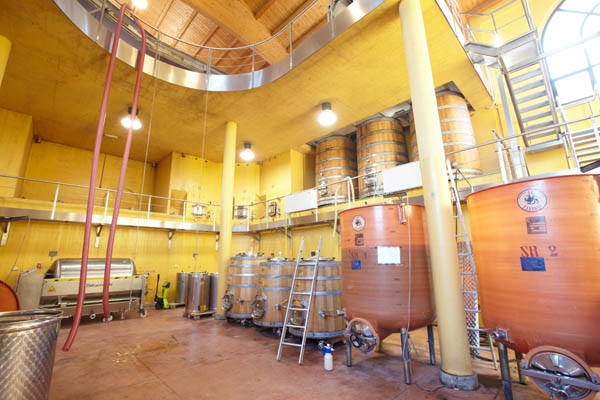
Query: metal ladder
[470,288]
[290,304]
[582,146]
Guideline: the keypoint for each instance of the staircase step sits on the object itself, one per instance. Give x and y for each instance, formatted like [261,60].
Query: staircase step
[536,106]
[540,125]
[582,133]
[297,309]
[302,293]
[532,96]
[535,117]
[588,153]
[580,141]
[304,278]
[529,86]
[526,76]
[580,149]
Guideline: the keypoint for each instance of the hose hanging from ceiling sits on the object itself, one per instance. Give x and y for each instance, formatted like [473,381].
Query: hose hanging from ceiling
[92,187]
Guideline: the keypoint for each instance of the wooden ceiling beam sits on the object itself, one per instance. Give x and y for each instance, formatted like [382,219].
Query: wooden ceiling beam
[289,19]
[185,27]
[207,39]
[264,8]
[243,62]
[163,14]
[239,19]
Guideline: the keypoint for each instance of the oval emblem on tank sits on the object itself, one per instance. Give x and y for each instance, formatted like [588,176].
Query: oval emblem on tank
[532,200]
[358,223]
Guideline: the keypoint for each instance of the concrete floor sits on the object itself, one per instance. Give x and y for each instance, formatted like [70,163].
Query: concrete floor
[166,356]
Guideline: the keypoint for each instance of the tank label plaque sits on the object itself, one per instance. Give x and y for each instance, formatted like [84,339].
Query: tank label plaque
[359,239]
[536,225]
[358,223]
[532,200]
[355,264]
[388,255]
[533,264]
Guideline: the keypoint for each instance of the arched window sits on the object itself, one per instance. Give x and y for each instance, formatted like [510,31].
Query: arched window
[575,71]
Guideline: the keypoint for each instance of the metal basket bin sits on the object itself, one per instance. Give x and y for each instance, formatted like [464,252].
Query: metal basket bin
[27,348]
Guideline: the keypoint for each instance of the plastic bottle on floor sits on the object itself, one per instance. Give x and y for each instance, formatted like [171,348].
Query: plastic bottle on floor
[328,357]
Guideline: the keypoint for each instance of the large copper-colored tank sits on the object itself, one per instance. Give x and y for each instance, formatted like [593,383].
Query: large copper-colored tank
[457,133]
[376,242]
[537,251]
[336,160]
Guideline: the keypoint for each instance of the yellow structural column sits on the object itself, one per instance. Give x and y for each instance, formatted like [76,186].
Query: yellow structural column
[225,230]
[5,46]
[456,369]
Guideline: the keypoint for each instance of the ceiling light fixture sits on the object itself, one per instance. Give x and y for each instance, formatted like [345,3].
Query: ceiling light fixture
[140,3]
[247,154]
[126,120]
[326,117]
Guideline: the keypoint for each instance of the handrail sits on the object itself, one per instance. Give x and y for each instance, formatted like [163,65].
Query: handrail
[180,68]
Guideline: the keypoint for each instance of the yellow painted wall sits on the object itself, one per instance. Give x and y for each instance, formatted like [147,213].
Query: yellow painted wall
[162,183]
[16,133]
[55,162]
[275,176]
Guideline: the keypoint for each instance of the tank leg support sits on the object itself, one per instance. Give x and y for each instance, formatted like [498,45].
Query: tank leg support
[505,371]
[406,356]
[519,358]
[348,353]
[431,341]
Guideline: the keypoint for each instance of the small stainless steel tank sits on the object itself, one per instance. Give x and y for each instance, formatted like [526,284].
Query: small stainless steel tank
[182,287]
[198,293]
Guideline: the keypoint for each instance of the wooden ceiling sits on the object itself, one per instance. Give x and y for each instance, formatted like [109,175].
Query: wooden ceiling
[231,24]
[477,6]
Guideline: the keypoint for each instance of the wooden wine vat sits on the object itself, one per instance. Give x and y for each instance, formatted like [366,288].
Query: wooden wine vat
[242,281]
[336,160]
[537,251]
[273,291]
[380,145]
[457,133]
[376,268]
[326,318]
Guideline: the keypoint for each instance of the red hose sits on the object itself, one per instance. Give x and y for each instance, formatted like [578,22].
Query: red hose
[115,216]
[92,189]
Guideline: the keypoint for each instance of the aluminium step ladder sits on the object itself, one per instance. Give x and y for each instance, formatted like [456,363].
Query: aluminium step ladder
[469,279]
[287,323]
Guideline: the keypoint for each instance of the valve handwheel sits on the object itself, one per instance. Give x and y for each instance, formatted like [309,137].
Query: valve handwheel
[561,363]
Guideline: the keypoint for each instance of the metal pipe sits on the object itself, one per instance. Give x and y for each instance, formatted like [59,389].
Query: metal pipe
[505,371]
[406,356]
[55,201]
[348,352]
[431,341]
[226,212]
[125,160]
[92,186]
[519,359]
[456,369]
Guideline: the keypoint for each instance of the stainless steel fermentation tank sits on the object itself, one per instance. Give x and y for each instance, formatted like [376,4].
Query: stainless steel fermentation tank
[182,278]
[59,286]
[198,294]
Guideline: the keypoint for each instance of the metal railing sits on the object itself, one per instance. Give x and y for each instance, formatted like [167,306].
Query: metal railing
[152,206]
[205,67]
[63,193]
